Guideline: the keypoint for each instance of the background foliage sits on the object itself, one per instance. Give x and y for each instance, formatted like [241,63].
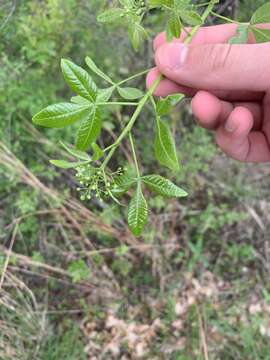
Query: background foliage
[195,286]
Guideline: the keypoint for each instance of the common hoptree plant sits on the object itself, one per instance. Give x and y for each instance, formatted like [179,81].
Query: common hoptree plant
[91,163]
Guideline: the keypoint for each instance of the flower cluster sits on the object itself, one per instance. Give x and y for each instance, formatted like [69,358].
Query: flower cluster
[95,182]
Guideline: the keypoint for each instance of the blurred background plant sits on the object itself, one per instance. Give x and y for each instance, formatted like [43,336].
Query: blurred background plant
[194,286]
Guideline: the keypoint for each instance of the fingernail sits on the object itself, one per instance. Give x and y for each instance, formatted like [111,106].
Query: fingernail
[230,125]
[172,56]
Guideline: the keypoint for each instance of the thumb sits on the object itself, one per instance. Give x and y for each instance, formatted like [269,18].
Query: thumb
[216,66]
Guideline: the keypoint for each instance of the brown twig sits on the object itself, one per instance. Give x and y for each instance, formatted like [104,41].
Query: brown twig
[202,334]
[8,253]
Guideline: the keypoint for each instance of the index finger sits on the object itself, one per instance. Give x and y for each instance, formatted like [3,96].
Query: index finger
[218,34]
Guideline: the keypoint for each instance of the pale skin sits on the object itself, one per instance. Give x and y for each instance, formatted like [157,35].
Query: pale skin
[229,86]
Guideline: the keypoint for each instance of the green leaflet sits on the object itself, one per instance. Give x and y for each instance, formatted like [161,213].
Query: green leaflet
[261,16]
[129,93]
[113,15]
[124,183]
[241,36]
[89,130]
[164,106]
[79,80]
[80,100]
[261,35]
[66,164]
[164,145]
[136,34]
[76,153]
[137,212]
[174,27]
[92,66]
[175,98]
[163,186]
[104,95]
[191,18]
[61,115]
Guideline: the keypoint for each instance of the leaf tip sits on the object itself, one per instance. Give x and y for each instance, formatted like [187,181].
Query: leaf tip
[35,119]
[64,62]
[184,193]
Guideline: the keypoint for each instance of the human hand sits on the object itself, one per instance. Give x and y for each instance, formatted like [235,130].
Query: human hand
[230,86]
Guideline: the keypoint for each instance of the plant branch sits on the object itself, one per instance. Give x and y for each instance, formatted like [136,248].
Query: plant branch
[131,122]
[133,77]
[224,18]
[134,155]
[118,103]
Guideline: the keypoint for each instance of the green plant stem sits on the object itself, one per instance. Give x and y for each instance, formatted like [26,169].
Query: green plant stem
[204,16]
[119,103]
[131,122]
[134,155]
[251,27]
[204,4]
[153,102]
[225,18]
[133,77]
